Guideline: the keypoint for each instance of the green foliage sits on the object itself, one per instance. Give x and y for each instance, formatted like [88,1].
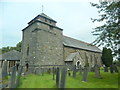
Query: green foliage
[109,33]
[7,49]
[107,57]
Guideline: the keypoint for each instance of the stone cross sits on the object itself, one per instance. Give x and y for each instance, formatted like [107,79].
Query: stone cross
[13,76]
[63,78]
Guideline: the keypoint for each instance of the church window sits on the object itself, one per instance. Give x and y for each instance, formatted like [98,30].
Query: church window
[45,20]
[27,50]
[50,27]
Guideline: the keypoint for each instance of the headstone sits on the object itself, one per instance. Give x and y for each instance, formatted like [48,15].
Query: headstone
[18,76]
[49,70]
[97,71]
[115,68]
[80,70]
[42,71]
[53,73]
[74,72]
[63,78]
[105,69]
[4,69]
[69,74]
[57,76]
[111,69]
[13,76]
[85,74]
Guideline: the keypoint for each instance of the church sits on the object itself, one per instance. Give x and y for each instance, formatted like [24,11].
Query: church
[43,43]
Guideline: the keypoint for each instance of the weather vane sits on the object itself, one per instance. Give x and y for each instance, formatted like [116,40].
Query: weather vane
[42,8]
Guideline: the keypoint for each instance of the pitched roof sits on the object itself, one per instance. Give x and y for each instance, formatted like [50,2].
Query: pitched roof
[11,55]
[45,16]
[70,42]
[71,56]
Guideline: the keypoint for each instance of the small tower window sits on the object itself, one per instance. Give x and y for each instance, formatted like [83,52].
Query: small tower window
[50,27]
[45,20]
[27,50]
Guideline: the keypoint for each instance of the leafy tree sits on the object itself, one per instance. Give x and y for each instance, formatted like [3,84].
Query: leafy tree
[7,49]
[107,57]
[108,33]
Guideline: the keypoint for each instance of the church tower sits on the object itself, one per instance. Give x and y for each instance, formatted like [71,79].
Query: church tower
[42,42]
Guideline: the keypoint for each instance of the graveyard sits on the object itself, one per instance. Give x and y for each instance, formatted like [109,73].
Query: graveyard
[59,78]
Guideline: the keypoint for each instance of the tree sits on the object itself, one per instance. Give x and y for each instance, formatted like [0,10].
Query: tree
[7,49]
[109,33]
[107,57]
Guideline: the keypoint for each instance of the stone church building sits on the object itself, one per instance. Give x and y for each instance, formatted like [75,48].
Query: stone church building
[43,43]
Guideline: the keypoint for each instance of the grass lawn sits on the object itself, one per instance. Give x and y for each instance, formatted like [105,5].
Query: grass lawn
[36,81]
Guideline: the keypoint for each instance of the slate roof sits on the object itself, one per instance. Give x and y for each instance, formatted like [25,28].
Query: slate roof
[11,55]
[70,42]
[71,56]
[45,16]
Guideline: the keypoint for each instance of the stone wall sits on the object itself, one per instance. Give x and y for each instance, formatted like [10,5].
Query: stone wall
[92,56]
[42,45]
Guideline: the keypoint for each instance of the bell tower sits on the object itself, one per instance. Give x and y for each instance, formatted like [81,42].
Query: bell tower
[42,42]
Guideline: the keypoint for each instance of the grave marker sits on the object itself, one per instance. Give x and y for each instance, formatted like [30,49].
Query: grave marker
[13,76]
[18,76]
[63,78]
[57,76]
[4,69]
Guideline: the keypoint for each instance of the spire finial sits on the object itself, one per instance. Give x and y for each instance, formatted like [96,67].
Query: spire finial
[42,8]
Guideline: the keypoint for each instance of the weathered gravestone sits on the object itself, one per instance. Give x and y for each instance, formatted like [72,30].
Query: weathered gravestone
[74,71]
[97,71]
[18,76]
[115,68]
[63,78]
[13,76]
[80,69]
[105,69]
[57,76]
[85,74]
[69,74]
[111,69]
[53,70]
[42,71]
[4,69]
[48,70]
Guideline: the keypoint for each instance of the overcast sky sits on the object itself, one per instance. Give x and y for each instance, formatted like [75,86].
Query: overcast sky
[71,15]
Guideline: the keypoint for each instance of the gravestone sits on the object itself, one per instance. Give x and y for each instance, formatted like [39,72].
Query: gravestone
[115,68]
[57,76]
[13,76]
[69,74]
[4,69]
[53,70]
[85,74]
[19,74]
[97,71]
[111,69]
[49,70]
[80,69]
[63,78]
[74,71]
[105,69]
[42,71]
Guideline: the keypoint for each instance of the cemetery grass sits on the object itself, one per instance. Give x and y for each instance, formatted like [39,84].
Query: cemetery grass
[38,81]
